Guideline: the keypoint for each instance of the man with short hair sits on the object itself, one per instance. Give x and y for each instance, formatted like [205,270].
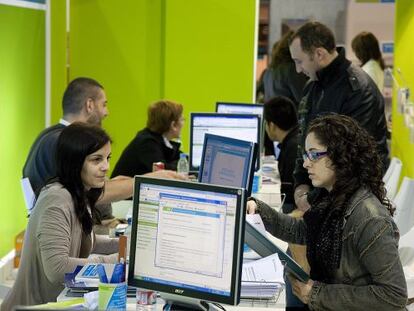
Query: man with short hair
[282,126]
[335,86]
[84,100]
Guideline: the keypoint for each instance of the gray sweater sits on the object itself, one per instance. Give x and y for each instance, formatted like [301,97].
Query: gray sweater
[54,245]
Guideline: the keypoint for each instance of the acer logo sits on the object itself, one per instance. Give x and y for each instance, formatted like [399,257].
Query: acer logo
[178,291]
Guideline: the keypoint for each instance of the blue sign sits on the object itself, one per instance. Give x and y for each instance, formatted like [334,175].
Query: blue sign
[387,47]
[387,1]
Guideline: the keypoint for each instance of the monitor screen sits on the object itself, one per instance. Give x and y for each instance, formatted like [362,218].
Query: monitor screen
[240,108]
[238,126]
[228,162]
[187,239]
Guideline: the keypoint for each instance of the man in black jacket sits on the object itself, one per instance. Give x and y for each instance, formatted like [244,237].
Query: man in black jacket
[335,86]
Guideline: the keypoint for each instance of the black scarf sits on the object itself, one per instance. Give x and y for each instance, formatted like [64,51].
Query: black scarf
[324,225]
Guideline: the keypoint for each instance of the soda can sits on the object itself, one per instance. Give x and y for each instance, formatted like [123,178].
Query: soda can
[146,297]
[158,166]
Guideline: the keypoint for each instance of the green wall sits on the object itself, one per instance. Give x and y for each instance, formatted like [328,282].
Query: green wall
[22,102]
[58,57]
[120,47]
[404,38]
[192,52]
[209,53]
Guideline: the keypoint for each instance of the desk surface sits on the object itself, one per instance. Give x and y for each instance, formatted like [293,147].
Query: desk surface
[251,305]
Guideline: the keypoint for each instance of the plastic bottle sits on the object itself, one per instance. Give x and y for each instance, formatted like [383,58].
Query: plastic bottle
[182,165]
[127,233]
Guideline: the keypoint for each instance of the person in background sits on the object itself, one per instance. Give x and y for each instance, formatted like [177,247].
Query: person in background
[336,86]
[282,126]
[366,48]
[84,100]
[281,79]
[351,238]
[155,143]
[59,234]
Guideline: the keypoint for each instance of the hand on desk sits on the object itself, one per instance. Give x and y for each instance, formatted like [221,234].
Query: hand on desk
[300,289]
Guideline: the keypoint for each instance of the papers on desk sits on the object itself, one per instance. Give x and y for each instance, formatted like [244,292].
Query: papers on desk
[262,278]
[268,269]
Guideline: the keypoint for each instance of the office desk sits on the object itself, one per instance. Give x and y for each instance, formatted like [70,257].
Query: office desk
[244,304]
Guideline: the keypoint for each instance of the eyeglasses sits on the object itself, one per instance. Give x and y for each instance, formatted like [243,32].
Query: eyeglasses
[314,155]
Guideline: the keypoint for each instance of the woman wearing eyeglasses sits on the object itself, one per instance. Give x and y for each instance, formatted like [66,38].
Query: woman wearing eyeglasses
[351,239]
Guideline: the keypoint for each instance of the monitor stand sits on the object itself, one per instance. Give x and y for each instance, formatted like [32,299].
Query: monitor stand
[175,302]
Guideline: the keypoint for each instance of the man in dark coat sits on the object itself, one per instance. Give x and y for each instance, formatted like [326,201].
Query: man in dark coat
[335,86]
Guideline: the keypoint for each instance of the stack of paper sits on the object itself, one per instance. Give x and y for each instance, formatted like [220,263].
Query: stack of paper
[262,278]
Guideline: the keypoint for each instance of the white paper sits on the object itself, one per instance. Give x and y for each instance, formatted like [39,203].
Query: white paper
[256,221]
[268,269]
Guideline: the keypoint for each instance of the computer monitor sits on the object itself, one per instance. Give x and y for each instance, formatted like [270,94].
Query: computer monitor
[239,126]
[187,241]
[240,108]
[228,162]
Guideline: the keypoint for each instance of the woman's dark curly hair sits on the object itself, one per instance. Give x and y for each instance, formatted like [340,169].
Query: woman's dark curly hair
[354,156]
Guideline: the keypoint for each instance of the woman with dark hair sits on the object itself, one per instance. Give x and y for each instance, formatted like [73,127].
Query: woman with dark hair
[366,48]
[59,234]
[351,239]
[155,143]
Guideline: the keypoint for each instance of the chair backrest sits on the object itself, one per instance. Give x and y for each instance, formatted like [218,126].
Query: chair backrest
[387,175]
[392,183]
[29,196]
[406,248]
[404,203]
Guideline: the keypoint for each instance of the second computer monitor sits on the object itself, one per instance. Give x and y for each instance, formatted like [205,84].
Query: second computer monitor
[243,108]
[228,162]
[239,126]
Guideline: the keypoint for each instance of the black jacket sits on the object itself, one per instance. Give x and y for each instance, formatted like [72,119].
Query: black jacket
[284,81]
[286,163]
[146,148]
[345,89]
[41,162]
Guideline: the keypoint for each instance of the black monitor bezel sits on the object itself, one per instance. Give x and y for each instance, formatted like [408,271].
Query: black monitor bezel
[239,104]
[234,297]
[252,161]
[223,115]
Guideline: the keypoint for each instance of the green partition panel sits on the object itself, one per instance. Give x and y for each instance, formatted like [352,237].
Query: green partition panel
[209,53]
[141,51]
[118,43]
[22,102]
[404,38]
